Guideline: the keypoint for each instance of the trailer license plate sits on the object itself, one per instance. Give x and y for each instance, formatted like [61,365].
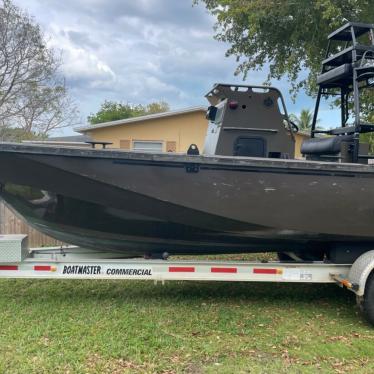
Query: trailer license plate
[293,274]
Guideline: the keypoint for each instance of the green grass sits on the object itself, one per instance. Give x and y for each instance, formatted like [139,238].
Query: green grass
[182,327]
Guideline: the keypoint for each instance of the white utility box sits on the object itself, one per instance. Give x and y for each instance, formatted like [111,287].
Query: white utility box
[13,248]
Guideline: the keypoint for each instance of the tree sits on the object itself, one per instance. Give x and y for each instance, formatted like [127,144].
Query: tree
[369,137]
[11,134]
[157,107]
[44,109]
[304,121]
[112,111]
[288,35]
[33,96]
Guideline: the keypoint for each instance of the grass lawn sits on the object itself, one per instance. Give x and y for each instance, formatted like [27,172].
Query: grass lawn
[182,327]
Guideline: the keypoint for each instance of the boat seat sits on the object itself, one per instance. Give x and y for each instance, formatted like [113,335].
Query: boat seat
[323,146]
[365,72]
[335,75]
[345,56]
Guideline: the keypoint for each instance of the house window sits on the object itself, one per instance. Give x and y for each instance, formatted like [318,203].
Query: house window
[147,146]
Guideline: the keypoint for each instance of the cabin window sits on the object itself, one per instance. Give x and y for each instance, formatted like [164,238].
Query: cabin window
[147,146]
[250,147]
[219,115]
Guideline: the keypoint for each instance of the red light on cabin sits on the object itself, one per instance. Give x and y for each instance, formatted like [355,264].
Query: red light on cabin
[233,104]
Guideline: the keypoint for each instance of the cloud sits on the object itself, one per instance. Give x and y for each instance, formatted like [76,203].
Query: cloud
[81,39]
[137,51]
[82,67]
[134,50]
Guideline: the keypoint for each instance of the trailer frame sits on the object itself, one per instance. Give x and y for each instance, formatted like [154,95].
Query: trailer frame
[70,262]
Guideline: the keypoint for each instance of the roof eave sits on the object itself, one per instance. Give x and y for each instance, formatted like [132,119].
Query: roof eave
[84,129]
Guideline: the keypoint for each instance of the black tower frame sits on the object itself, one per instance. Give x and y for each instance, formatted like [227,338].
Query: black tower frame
[347,70]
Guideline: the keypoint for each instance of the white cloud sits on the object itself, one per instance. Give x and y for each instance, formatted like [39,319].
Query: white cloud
[134,50]
[81,64]
[137,51]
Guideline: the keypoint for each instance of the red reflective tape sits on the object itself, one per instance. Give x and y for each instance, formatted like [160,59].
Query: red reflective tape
[265,271]
[181,269]
[223,270]
[8,267]
[42,268]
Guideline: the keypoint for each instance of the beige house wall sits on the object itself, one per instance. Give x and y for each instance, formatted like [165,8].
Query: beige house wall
[183,129]
[299,138]
[176,132]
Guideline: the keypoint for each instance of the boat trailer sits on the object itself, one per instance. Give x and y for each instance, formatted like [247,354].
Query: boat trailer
[17,260]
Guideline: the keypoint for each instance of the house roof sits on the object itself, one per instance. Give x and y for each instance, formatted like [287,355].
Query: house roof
[70,138]
[148,117]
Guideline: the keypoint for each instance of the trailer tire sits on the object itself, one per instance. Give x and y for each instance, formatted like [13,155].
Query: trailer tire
[368,301]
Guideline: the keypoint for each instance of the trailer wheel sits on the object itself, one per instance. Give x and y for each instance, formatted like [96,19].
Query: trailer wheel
[367,304]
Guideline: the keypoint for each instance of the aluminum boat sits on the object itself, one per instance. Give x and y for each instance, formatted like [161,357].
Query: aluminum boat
[244,192]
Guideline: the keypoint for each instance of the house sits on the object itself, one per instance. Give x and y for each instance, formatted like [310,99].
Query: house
[300,136]
[172,131]
[69,141]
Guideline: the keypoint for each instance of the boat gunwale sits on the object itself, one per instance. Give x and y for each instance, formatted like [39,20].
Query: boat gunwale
[180,158]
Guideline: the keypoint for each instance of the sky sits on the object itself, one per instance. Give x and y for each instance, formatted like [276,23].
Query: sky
[143,51]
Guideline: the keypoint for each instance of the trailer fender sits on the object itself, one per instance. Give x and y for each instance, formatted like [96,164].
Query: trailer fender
[360,271]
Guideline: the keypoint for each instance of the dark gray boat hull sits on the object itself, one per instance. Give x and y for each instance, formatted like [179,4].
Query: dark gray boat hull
[140,203]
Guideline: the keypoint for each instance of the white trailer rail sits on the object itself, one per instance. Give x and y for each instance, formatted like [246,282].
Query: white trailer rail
[17,261]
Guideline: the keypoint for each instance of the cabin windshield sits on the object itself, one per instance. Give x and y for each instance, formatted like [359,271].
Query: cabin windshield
[219,114]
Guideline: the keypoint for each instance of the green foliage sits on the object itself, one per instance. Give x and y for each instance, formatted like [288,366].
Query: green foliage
[9,134]
[288,35]
[369,137]
[112,111]
[157,107]
[367,104]
[304,121]
[33,95]
[135,327]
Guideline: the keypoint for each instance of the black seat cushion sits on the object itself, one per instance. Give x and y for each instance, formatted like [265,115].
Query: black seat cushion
[323,146]
[333,75]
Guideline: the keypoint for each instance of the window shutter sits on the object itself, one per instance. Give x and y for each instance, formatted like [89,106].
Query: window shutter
[152,146]
[124,144]
[171,146]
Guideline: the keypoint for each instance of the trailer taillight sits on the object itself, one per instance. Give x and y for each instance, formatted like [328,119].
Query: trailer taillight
[45,268]
[267,271]
[8,267]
